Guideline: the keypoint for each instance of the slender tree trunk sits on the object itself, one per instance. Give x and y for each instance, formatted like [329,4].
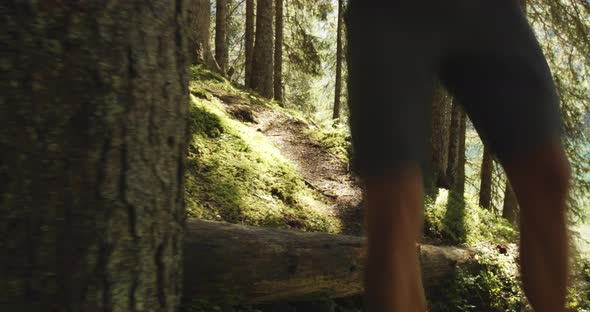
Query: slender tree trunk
[200,48]
[339,56]
[262,62]
[93,111]
[485,189]
[221,20]
[249,42]
[440,137]
[456,167]
[510,209]
[278,79]
[460,182]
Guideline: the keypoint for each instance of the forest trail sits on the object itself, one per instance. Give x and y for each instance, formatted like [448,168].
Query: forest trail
[321,170]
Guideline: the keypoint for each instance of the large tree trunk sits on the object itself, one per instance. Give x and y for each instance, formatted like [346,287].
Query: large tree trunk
[339,56]
[262,62]
[456,168]
[485,188]
[221,48]
[200,15]
[93,108]
[440,135]
[238,264]
[278,79]
[510,209]
[249,42]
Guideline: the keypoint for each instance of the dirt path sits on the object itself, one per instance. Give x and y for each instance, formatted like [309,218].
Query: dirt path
[321,170]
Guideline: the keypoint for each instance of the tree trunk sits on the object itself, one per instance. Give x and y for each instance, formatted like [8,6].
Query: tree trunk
[200,16]
[221,49]
[249,42]
[339,55]
[440,136]
[456,168]
[460,181]
[93,111]
[485,189]
[247,265]
[278,79]
[510,209]
[262,62]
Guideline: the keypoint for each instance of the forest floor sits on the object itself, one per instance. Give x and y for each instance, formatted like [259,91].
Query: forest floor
[252,162]
[322,170]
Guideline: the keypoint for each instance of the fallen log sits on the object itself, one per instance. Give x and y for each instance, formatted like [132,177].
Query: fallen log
[237,264]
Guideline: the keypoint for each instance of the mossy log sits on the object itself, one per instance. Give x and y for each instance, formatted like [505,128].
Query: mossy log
[237,264]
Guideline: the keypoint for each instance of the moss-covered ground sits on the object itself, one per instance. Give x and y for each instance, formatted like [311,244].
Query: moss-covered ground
[236,174]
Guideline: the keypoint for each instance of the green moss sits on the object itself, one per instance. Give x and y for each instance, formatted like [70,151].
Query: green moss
[492,287]
[201,73]
[336,140]
[454,221]
[236,175]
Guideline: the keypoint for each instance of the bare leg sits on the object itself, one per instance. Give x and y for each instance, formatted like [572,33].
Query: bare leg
[394,219]
[540,181]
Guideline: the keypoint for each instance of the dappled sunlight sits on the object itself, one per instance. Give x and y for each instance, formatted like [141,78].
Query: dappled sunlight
[235,174]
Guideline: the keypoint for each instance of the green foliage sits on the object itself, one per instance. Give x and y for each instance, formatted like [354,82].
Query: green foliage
[492,288]
[493,285]
[235,174]
[200,73]
[579,292]
[452,220]
[336,139]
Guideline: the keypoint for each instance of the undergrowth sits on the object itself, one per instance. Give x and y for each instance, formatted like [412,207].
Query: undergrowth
[336,140]
[234,174]
[492,287]
[452,220]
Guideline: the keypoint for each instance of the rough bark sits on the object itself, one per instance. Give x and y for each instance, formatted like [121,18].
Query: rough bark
[456,167]
[242,264]
[510,208]
[93,103]
[278,79]
[249,41]
[200,48]
[440,136]
[221,21]
[339,56]
[262,61]
[485,187]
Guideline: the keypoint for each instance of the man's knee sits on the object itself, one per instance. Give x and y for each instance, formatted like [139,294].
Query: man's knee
[544,174]
[553,170]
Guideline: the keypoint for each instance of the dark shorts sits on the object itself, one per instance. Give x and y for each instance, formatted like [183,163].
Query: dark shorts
[482,51]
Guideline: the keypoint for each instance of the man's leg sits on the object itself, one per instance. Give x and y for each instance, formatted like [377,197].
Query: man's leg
[540,181]
[394,224]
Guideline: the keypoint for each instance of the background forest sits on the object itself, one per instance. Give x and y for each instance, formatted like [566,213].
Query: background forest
[308,75]
[194,155]
[293,52]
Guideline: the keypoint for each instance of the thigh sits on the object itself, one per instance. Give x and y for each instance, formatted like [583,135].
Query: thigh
[390,88]
[496,70]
